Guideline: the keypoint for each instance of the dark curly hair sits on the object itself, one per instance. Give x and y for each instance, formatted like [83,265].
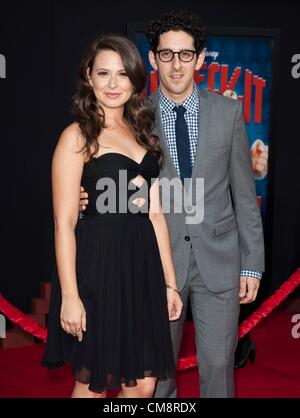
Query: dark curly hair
[89,113]
[177,20]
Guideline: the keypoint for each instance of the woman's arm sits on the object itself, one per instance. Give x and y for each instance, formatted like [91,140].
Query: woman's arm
[67,166]
[163,239]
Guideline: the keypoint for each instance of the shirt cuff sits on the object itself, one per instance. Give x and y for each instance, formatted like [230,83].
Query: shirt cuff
[251,273]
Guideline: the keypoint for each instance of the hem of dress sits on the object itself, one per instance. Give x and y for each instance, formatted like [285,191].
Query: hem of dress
[51,365]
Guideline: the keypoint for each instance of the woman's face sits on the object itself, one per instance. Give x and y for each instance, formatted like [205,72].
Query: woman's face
[109,80]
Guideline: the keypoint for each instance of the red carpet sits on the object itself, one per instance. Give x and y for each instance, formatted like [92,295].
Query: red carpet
[275,374]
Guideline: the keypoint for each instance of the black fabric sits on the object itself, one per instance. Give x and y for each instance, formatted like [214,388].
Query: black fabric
[121,284]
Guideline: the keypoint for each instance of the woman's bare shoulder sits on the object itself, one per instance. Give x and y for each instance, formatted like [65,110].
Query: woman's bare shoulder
[72,138]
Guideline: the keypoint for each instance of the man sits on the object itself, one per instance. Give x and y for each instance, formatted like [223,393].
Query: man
[219,261]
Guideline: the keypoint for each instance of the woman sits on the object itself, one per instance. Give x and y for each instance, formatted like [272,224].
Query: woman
[114,290]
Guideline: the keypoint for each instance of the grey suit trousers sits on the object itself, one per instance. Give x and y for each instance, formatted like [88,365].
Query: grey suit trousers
[215,318]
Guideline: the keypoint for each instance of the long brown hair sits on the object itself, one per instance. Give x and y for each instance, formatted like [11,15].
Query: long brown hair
[90,115]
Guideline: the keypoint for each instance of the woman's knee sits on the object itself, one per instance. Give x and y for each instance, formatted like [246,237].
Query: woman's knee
[81,390]
[144,389]
[148,388]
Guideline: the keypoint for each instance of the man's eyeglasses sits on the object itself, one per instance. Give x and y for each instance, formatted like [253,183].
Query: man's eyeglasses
[185,55]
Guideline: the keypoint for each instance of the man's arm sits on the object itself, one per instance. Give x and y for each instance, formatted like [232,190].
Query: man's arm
[244,198]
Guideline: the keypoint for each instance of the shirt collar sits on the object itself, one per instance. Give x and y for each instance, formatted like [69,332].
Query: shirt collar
[191,103]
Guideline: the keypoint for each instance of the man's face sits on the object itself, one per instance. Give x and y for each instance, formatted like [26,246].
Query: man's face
[176,77]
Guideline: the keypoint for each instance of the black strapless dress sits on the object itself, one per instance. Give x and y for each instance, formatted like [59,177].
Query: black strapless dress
[121,284]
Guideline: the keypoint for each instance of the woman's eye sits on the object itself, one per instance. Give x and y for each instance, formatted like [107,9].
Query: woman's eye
[123,74]
[102,73]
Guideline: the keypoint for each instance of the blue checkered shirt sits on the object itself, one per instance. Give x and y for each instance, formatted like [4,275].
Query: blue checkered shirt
[168,117]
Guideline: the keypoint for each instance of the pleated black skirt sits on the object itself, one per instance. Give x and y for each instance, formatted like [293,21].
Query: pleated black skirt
[121,284]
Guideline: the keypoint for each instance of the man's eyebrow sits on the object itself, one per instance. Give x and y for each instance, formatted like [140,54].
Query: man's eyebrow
[182,49]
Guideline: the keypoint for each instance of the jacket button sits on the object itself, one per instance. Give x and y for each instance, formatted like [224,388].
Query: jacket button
[187,238]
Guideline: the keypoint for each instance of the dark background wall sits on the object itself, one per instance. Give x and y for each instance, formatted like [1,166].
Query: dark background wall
[43,43]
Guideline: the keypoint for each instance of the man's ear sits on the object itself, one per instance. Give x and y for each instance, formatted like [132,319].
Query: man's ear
[200,60]
[152,60]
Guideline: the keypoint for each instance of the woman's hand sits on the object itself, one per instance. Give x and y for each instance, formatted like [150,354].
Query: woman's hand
[174,304]
[73,317]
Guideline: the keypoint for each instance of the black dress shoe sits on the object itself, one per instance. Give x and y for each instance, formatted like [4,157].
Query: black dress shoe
[246,350]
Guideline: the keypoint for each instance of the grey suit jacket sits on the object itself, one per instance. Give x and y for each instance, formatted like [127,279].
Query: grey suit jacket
[230,237]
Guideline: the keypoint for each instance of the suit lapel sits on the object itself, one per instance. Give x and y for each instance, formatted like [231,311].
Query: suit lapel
[204,129]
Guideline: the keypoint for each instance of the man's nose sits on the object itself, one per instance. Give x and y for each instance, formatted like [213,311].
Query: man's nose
[176,62]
